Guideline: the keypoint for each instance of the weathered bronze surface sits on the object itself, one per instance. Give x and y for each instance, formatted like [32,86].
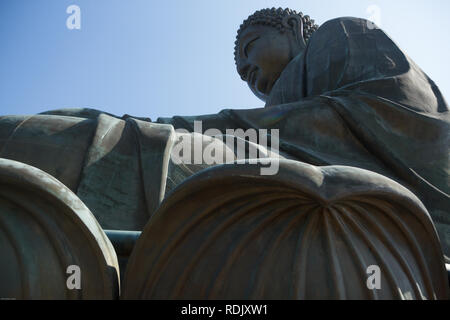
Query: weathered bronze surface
[123,243]
[342,94]
[44,229]
[353,98]
[120,168]
[306,233]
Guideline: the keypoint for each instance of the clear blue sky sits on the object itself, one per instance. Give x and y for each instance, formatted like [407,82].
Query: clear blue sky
[172,57]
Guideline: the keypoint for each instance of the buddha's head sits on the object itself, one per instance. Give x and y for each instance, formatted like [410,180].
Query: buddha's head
[266,42]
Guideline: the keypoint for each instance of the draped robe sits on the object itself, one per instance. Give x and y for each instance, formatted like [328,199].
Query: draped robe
[354,98]
[351,98]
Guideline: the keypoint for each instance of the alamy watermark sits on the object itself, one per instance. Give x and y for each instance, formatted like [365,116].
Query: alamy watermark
[214,147]
[374,279]
[74,279]
[74,20]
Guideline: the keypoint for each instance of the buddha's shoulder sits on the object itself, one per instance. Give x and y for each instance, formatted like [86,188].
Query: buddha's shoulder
[345,27]
[348,24]
[340,30]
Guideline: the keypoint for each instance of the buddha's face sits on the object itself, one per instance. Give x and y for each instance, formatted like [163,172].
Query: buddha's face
[263,54]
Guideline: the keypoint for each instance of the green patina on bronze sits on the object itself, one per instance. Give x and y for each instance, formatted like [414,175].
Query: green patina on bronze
[343,94]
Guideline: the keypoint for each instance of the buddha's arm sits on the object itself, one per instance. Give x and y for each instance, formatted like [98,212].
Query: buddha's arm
[220,121]
[54,144]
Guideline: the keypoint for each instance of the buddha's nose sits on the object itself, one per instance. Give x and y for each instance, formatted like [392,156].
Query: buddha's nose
[243,70]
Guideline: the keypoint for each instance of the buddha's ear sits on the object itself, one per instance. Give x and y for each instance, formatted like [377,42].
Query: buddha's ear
[294,22]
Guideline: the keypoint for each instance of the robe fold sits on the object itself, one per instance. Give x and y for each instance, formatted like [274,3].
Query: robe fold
[116,167]
[121,168]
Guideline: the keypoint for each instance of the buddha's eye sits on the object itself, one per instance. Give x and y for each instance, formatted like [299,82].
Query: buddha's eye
[249,46]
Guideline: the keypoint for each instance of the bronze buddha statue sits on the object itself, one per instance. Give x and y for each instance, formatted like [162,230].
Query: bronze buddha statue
[342,95]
